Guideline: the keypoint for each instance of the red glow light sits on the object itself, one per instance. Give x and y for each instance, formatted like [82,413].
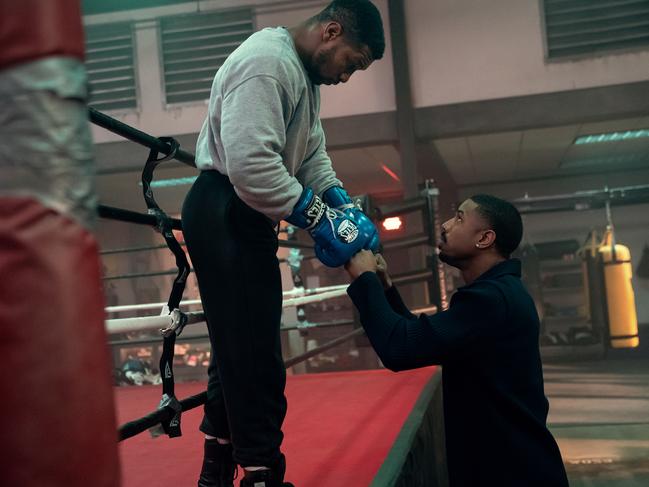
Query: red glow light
[390,172]
[391,224]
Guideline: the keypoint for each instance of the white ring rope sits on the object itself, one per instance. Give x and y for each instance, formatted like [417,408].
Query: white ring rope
[293,293]
[314,298]
[166,321]
[137,307]
[124,325]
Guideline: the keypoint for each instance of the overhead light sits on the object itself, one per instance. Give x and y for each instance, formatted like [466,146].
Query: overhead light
[392,224]
[611,137]
[168,183]
[390,172]
[619,160]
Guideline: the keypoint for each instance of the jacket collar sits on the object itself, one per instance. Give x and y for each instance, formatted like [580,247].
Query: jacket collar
[507,267]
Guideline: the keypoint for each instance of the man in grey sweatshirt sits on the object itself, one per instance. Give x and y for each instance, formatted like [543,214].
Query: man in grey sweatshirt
[263,159]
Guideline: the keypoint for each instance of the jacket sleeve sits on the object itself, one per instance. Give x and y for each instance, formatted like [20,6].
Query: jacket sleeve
[253,132]
[317,171]
[397,304]
[406,343]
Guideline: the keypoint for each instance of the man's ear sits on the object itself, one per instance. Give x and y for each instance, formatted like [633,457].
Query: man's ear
[488,239]
[331,31]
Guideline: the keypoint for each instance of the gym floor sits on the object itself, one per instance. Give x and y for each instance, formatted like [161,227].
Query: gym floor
[599,414]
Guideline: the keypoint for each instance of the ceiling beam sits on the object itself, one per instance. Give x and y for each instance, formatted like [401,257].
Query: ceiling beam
[493,116]
[360,130]
[533,111]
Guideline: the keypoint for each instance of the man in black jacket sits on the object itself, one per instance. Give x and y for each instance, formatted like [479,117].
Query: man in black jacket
[495,409]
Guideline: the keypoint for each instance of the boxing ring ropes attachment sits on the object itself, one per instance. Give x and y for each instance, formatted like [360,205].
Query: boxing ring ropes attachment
[167,417]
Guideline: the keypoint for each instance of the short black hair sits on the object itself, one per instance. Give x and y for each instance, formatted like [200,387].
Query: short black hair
[504,219]
[361,20]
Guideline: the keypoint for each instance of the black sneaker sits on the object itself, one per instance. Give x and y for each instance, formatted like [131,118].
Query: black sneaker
[219,469]
[267,478]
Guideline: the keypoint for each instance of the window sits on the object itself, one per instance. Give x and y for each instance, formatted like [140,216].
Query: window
[195,46]
[110,66]
[578,27]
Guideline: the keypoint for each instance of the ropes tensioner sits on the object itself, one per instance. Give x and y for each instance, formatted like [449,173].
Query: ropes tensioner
[164,225]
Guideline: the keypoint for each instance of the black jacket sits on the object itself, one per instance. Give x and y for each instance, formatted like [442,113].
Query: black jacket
[495,409]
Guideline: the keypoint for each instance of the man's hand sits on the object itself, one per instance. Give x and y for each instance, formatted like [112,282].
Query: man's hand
[363,261]
[382,272]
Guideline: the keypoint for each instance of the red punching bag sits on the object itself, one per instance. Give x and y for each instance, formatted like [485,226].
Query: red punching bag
[34,29]
[59,427]
[57,405]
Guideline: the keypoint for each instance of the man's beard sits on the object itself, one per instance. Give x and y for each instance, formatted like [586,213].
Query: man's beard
[314,68]
[450,260]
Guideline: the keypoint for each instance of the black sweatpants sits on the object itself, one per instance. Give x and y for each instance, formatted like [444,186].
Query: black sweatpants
[233,250]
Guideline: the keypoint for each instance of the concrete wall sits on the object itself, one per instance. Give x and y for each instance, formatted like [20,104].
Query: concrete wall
[371,91]
[460,50]
[467,50]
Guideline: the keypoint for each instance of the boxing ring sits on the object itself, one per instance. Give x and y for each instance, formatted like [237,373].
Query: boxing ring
[360,428]
[342,429]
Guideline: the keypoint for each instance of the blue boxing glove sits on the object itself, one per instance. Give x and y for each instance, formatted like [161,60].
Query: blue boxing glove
[336,234]
[337,197]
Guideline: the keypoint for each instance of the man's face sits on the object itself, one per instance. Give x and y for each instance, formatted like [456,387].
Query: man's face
[461,234]
[336,59]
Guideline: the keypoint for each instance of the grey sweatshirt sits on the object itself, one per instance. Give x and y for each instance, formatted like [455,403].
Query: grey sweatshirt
[263,127]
